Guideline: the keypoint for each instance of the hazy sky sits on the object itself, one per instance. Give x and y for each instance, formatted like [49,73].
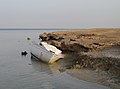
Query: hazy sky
[60,13]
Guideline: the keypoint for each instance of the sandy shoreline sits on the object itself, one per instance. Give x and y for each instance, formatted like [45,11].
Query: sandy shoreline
[95,49]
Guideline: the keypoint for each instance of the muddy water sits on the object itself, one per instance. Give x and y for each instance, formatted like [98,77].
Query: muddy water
[22,72]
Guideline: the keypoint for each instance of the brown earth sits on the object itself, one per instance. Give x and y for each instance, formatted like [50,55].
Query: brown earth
[96,49]
[92,39]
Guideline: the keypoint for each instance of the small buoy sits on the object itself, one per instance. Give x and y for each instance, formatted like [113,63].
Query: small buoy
[28,38]
[29,64]
[24,53]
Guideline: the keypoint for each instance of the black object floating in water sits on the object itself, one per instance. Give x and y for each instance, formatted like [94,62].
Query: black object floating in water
[28,38]
[24,53]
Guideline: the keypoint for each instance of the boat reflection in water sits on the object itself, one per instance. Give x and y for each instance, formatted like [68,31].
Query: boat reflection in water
[44,67]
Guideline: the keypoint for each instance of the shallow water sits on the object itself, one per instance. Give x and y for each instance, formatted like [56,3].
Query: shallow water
[113,52]
[20,72]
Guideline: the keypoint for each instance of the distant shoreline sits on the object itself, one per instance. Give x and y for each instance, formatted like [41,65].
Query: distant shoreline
[41,28]
[29,29]
[53,28]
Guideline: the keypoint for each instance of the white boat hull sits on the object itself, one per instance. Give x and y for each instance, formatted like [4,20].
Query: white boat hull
[44,54]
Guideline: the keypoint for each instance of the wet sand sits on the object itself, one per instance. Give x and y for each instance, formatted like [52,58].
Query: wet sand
[99,77]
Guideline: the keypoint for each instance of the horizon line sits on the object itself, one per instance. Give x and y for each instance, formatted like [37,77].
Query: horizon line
[37,28]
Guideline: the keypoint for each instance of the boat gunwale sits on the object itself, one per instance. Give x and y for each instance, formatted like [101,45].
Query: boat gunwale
[37,46]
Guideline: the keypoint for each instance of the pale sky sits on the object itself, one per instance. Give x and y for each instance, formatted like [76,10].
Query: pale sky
[60,13]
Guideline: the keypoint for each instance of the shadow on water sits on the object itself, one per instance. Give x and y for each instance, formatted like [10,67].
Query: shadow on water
[68,62]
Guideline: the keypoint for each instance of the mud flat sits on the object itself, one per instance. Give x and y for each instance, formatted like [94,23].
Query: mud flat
[90,53]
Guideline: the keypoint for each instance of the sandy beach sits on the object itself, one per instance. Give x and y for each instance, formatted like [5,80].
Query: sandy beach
[94,54]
